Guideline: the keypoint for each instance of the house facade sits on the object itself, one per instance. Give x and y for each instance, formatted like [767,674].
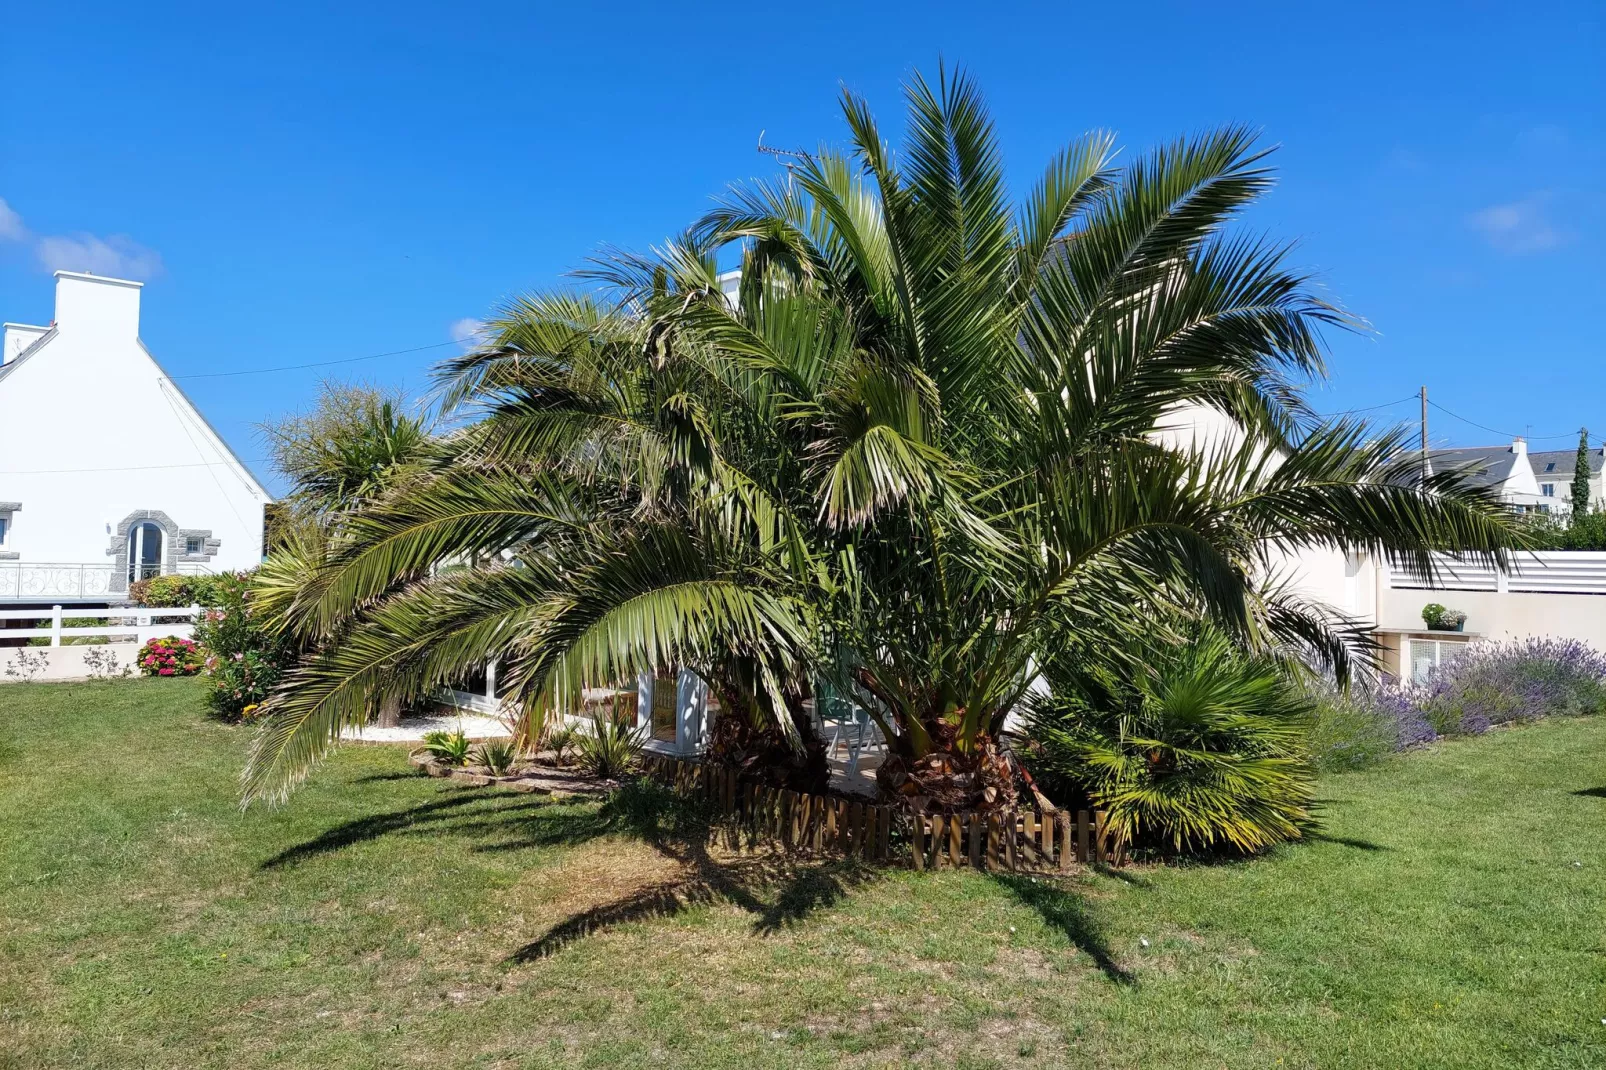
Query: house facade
[1539,482]
[1553,473]
[108,473]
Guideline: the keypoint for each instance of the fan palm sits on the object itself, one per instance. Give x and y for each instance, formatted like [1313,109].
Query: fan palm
[928,436]
[1199,747]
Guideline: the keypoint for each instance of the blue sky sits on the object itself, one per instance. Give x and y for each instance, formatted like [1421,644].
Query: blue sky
[303,184]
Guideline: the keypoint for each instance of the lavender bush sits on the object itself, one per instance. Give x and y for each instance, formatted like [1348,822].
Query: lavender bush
[1499,683]
[1491,684]
[1355,728]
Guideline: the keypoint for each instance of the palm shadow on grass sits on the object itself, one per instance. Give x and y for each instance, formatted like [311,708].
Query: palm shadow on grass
[460,811]
[778,889]
[1068,913]
[1592,793]
[1345,841]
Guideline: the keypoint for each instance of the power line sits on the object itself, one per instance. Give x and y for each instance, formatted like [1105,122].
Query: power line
[1367,408]
[1497,431]
[315,364]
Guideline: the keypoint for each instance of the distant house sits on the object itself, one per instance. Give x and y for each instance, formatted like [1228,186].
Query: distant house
[1553,469]
[108,473]
[1505,469]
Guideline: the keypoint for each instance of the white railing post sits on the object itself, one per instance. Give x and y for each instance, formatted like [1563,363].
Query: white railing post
[55,625]
[1502,580]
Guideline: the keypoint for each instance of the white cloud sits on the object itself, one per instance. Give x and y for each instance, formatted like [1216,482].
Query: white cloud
[468,332]
[11,228]
[117,255]
[1519,227]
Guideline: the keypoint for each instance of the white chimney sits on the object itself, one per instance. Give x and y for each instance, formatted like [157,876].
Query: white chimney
[19,336]
[1519,446]
[97,305]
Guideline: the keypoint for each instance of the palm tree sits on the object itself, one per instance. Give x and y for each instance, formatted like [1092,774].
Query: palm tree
[930,435]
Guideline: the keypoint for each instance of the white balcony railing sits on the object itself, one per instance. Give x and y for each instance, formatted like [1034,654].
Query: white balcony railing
[30,581]
[137,625]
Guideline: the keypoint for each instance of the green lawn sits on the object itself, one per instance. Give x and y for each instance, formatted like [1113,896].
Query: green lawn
[1452,915]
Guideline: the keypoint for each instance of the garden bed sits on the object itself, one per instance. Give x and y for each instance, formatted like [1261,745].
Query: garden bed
[539,780]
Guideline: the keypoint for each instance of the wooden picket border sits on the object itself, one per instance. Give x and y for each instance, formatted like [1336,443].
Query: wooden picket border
[827,824]
[1026,841]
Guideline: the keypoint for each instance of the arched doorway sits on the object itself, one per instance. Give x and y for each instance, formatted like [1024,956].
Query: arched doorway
[145,546]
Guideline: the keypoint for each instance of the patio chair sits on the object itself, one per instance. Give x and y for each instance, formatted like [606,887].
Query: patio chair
[843,724]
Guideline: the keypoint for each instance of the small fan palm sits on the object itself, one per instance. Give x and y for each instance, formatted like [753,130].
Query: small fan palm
[1198,747]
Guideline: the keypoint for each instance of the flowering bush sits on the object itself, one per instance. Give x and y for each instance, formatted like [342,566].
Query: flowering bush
[1522,681]
[170,657]
[1489,685]
[244,659]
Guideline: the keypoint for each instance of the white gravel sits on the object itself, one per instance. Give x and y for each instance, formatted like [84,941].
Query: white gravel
[412,729]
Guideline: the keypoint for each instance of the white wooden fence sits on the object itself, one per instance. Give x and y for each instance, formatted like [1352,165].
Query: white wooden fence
[1544,572]
[129,625]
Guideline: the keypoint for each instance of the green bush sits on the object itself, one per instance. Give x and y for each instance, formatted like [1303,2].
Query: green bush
[449,747]
[245,660]
[169,592]
[1579,531]
[1186,747]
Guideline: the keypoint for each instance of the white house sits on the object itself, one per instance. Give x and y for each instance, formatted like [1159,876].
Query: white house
[1553,472]
[108,473]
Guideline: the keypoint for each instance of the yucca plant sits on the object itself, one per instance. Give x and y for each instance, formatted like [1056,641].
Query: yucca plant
[1189,746]
[451,748]
[496,755]
[610,750]
[561,739]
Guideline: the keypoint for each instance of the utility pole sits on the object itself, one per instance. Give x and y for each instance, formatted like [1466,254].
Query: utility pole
[1425,472]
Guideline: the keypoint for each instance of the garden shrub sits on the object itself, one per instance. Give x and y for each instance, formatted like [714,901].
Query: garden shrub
[451,748]
[171,592]
[171,656]
[1497,683]
[1491,684]
[1186,747]
[245,659]
[1355,727]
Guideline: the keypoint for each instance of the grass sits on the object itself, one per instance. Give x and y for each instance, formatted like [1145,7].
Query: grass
[1451,914]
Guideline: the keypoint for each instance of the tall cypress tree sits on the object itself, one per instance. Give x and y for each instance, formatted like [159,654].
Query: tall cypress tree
[1581,475]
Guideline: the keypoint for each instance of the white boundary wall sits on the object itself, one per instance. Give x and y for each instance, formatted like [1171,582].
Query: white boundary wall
[66,662]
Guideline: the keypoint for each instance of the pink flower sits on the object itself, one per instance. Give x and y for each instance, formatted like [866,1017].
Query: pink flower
[164,672]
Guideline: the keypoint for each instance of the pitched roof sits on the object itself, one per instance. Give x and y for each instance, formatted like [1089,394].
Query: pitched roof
[1484,466]
[1558,464]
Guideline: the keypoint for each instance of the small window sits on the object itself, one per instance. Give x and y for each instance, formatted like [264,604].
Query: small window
[1550,466]
[1544,508]
[192,545]
[1547,489]
[5,523]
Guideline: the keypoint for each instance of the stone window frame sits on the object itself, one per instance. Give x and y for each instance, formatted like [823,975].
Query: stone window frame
[175,544]
[209,545]
[6,509]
